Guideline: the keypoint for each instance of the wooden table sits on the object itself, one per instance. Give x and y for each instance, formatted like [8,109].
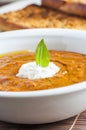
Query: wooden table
[75,123]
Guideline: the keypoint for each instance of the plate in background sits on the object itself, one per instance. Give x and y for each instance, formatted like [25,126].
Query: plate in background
[6,1]
[17,5]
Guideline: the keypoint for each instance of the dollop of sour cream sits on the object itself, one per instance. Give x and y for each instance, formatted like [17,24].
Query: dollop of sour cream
[33,71]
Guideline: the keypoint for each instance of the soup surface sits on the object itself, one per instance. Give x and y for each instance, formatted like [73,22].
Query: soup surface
[72,70]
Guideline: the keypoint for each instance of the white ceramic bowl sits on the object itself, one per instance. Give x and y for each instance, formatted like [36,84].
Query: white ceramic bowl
[46,105]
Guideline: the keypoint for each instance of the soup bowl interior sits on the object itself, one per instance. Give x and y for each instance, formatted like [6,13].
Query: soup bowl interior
[43,106]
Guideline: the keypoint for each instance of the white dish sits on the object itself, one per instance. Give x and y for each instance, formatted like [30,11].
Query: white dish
[18,5]
[43,106]
[2,2]
[5,1]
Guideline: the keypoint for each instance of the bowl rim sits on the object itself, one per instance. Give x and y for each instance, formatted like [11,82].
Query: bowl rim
[48,92]
[46,32]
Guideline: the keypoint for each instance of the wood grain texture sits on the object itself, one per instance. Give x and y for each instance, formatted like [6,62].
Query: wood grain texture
[81,122]
[74,123]
[62,125]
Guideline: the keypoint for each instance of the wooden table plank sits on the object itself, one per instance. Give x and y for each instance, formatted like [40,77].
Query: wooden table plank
[81,122]
[74,123]
[62,125]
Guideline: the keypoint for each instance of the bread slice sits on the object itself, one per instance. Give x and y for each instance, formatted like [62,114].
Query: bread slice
[76,7]
[34,16]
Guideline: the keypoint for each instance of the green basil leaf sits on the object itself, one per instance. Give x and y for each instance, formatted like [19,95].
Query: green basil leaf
[42,54]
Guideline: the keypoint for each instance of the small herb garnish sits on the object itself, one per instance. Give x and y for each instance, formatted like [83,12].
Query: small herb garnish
[42,54]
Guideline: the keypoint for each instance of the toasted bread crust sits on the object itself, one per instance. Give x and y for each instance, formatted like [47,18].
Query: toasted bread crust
[7,26]
[42,17]
[76,7]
